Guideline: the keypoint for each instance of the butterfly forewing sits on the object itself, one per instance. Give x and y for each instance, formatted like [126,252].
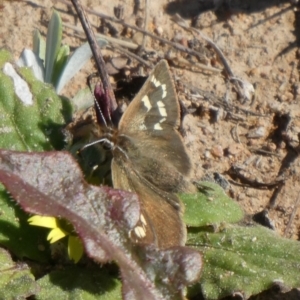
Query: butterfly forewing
[152,120]
[155,108]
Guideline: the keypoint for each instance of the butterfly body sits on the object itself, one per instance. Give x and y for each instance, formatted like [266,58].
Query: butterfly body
[150,159]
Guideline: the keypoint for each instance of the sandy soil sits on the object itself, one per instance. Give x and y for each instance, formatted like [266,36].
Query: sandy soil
[253,143]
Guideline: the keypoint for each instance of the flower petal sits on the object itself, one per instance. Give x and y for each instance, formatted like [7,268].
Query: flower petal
[75,248]
[55,235]
[49,222]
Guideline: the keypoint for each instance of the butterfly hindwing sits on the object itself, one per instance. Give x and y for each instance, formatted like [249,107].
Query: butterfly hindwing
[160,222]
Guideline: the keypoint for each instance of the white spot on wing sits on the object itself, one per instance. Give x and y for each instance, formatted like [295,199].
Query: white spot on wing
[155,81]
[164,90]
[161,108]
[143,220]
[157,125]
[146,102]
[21,87]
[140,232]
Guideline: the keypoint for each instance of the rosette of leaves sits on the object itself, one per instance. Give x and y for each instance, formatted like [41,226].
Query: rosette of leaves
[51,183]
[237,257]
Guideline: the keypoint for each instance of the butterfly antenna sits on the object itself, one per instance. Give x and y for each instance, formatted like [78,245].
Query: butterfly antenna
[105,140]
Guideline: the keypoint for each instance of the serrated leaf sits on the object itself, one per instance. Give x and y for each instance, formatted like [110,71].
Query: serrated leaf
[53,42]
[16,281]
[103,218]
[209,207]
[245,259]
[77,282]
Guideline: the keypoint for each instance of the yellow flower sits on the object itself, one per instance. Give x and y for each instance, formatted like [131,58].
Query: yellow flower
[60,229]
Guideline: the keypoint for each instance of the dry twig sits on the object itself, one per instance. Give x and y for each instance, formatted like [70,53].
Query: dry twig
[127,44]
[145,25]
[100,64]
[292,216]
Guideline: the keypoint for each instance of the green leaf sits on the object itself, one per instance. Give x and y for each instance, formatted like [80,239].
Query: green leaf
[53,42]
[35,126]
[16,281]
[209,207]
[17,235]
[83,100]
[245,259]
[5,56]
[29,59]
[237,258]
[39,45]
[60,63]
[27,127]
[75,62]
[76,282]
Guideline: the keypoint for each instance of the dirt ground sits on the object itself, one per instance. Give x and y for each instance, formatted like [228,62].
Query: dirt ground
[249,137]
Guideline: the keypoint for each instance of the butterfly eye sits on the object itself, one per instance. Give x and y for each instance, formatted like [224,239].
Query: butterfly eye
[107,144]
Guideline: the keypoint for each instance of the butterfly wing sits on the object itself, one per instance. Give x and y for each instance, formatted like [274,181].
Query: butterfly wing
[151,121]
[160,223]
[156,104]
[150,159]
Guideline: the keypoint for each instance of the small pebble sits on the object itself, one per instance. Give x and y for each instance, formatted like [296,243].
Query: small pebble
[159,31]
[271,147]
[207,154]
[257,133]
[235,149]
[217,151]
